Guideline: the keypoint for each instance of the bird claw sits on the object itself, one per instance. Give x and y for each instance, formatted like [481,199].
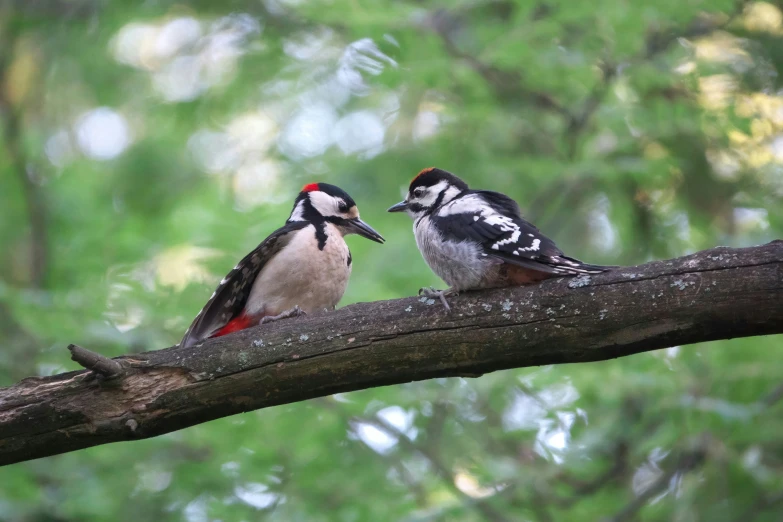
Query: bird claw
[293,312]
[440,294]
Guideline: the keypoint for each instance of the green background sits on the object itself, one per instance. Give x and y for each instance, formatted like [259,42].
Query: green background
[147,146]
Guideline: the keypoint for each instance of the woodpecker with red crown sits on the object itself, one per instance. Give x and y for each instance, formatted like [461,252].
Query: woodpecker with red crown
[300,268]
[474,239]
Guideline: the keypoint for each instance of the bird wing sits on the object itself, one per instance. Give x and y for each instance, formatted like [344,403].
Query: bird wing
[500,203]
[494,221]
[230,297]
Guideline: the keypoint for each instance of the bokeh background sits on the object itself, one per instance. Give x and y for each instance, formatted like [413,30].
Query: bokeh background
[147,146]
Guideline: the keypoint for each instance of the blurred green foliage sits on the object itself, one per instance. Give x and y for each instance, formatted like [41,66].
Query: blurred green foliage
[146,147]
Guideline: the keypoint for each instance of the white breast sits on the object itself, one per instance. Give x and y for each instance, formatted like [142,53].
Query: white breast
[459,264]
[303,275]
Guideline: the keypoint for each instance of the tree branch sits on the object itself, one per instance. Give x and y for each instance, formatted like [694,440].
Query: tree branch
[716,294]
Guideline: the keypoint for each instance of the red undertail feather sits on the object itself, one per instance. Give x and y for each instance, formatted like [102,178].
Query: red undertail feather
[310,187]
[234,325]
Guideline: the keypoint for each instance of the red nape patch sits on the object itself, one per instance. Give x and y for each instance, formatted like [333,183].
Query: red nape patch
[311,187]
[234,325]
[423,171]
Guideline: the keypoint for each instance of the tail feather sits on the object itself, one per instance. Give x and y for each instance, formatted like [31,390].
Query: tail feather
[568,265]
[239,322]
[234,325]
[555,265]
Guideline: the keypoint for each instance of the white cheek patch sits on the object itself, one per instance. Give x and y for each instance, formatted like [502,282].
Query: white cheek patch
[325,204]
[431,194]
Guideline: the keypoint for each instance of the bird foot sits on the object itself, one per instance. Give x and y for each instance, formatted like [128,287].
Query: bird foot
[293,312]
[440,294]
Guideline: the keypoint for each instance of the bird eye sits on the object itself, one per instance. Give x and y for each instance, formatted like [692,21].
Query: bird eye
[343,207]
[417,193]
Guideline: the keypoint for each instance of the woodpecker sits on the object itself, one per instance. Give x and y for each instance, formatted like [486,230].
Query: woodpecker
[475,239]
[301,267]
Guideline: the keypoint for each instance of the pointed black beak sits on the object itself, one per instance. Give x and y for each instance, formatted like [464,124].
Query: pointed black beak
[357,226]
[402,206]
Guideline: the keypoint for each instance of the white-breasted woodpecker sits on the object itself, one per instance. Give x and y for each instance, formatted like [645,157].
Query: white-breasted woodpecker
[301,267]
[474,239]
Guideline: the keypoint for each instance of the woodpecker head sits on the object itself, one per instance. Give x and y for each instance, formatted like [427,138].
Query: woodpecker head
[321,202]
[430,189]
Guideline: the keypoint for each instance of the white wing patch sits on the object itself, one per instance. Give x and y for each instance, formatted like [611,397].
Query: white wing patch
[474,204]
[469,204]
[504,224]
[531,248]
[450,194]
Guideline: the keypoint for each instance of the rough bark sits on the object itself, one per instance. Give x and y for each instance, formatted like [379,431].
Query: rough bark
[716,294]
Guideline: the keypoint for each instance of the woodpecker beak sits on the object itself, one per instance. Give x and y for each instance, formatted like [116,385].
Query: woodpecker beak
[402,206]
[357,226]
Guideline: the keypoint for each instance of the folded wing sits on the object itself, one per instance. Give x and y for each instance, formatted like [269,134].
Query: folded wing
[495,222]
[228,300]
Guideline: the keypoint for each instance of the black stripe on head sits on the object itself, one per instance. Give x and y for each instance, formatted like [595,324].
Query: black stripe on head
[432,188]
[432,176]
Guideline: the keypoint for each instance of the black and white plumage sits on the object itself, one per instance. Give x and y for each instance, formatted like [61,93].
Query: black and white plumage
[475,239]
[301,267]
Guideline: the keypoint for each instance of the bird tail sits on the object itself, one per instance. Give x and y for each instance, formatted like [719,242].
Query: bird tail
[239,322]
[568,265]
